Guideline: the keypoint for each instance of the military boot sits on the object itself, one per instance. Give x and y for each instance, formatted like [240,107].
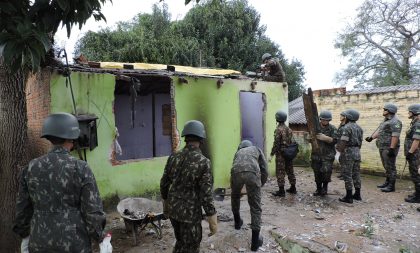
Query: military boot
[279,193]
[390,187]
[348,198]
[385,184]
[292,189]
[318,191]
[356,194]
[324,189]
[257,240]
[415,198]
[238,221]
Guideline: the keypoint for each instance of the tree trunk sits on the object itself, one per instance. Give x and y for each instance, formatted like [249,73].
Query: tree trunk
[13,137]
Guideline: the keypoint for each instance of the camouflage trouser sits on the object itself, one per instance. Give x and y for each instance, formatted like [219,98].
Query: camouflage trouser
[413,166]
[351,173]
[322,169]
[252,181]
[284,167]
[389,164]
[188,236]
[273,78]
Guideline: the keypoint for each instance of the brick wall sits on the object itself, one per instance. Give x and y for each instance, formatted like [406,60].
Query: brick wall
[370,106]
[38,107]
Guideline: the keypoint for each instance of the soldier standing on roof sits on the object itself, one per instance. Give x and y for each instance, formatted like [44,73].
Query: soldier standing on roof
[187,187]
[349,145]
[283,136]
[274,68]
[412,151]
[322,163]
[388,142]
[250,169]
[58,205]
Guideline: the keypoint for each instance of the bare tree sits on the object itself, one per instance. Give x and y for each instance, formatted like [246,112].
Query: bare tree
[381,44]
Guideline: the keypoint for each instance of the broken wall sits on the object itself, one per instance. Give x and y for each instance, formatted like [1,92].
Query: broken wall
[215,103]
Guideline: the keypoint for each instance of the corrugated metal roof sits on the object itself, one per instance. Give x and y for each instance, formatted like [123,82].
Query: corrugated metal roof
[384,89]
[296,112]
[182,69]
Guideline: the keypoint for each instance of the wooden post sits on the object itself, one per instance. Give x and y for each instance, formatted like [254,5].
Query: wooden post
[311,114]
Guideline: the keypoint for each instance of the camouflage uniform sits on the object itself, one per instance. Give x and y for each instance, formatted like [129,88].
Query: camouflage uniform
[350,158]
[275,71]
[283,137]
[58,204]
[322,163]
[250,169]
[390,127]
[340,160]
[413,133]
[187,185]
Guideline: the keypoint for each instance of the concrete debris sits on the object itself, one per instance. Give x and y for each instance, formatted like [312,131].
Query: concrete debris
[340,246]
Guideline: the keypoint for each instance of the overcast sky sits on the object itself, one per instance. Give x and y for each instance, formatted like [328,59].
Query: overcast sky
[304,29]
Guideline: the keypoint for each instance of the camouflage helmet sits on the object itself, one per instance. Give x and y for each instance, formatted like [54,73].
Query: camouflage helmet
[245,144]
[281,116]
[391,108]
[414,108]
[351,114]
[194,127]
[266,56]
[325,115]
[62,125]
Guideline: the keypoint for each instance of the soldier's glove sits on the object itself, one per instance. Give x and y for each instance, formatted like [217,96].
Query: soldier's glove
[409,156]
[24,246]
[212,224]
[392,152]
[369,139]
[165,208]
[324,138]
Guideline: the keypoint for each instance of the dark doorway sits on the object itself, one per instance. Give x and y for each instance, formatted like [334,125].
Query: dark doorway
[252,117]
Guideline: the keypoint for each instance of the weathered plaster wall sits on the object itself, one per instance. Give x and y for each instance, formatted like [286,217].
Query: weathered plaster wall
[199,99]
[370,107]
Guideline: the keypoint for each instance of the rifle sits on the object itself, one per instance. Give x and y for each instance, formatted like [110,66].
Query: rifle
[311,114]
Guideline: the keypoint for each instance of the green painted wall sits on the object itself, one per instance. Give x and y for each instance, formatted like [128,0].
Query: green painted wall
[199,99]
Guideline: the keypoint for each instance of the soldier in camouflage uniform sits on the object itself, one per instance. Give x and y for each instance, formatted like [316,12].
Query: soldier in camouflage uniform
[283,136]
[58,205]
[349,145]
[274,68]
[322,162]
[250,169]
[186,187]
[388,142]
[412,151]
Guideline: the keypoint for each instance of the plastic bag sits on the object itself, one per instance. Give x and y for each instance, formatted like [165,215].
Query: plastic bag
[105,246]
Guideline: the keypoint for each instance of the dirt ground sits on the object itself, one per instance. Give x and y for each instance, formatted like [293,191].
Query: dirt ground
[381,222]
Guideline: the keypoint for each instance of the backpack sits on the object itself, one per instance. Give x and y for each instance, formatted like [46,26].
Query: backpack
[290,152]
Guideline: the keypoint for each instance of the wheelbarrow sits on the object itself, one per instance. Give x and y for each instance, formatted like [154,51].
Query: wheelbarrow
[140,212]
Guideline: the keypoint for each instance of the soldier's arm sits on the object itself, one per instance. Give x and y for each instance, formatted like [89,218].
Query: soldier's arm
[91,204]
[344,139]
[263,167]
[276,143]
[165,181]
[206,188]
[395,135]
[416,139]
[24,208]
